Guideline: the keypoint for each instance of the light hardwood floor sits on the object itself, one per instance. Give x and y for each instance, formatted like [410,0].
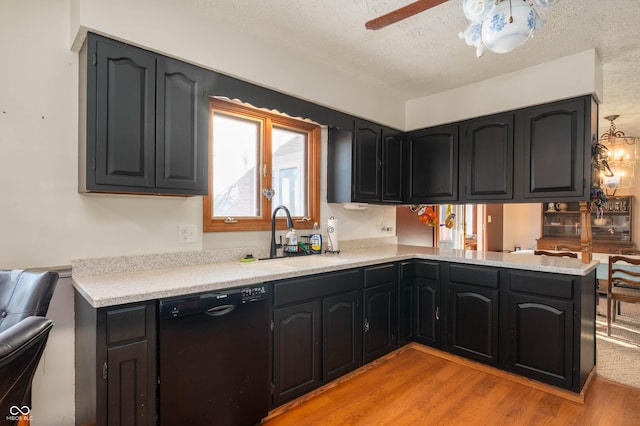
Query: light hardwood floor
[413,386]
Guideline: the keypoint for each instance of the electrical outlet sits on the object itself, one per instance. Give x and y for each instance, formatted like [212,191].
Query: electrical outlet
[188,233]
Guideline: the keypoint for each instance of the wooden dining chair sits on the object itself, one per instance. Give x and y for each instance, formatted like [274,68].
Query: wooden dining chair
[556,253]
[623,285]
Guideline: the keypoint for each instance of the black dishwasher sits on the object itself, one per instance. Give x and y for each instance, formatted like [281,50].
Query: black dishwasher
[213,359]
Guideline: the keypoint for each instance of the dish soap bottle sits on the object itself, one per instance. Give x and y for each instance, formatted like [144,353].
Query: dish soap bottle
[316,240]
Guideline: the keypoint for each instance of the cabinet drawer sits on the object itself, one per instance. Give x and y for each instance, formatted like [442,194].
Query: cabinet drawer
[426,269]
[126,324]
[542,284]
[474,275]
[376,275]
[313,287]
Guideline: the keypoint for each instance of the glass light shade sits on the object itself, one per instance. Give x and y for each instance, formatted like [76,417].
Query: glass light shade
[623,177]
[500,35]
[621,149]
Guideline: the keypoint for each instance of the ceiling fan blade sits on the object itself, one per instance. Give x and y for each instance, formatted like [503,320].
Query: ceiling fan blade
[402,13]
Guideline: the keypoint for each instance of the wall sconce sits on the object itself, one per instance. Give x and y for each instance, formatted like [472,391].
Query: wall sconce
[621,157]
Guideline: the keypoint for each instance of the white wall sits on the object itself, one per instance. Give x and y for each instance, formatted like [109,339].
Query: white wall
[522,225]
[53,384]
[563,78]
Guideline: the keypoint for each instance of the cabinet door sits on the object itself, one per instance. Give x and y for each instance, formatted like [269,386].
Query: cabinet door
[126,360]
[339,165]
[473,312]
[554,150]
[392,166]
[181,127]
[366,168]
[127,398]
[380,320]
[474,323]
[124,138]
[541,338]
[427,284]
[296,351]
[341,335]
[488,152]
[433,165]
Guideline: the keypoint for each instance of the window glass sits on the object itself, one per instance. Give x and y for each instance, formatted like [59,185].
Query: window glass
[236,179]
[288,153]
[260,160]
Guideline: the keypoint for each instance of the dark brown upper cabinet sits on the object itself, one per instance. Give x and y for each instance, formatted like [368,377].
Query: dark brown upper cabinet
[392,165]
[146,123]
[537,153]
[487,153]
[367,145]
[365,164]
[557,149]
[433,165]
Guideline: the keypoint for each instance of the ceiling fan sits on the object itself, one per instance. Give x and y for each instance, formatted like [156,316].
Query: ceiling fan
[402,13]
[497,25]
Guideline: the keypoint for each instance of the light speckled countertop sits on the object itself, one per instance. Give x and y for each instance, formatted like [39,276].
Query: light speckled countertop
[111,289]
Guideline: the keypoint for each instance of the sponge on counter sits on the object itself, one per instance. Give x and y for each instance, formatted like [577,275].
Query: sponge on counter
[248,258]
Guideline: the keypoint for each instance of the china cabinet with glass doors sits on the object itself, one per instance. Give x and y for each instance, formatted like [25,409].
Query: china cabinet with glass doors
[612,227]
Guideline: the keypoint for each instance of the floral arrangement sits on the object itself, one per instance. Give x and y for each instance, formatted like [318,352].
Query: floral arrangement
[598,198]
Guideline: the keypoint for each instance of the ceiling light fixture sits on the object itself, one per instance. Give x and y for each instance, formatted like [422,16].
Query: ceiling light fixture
[501,25]
[621,156]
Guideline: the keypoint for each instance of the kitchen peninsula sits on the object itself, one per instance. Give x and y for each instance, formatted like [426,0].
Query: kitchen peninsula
[530,315]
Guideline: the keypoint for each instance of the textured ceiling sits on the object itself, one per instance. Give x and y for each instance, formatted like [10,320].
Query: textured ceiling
[423,55]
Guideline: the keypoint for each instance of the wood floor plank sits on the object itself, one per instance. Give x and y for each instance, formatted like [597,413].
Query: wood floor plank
[417,387]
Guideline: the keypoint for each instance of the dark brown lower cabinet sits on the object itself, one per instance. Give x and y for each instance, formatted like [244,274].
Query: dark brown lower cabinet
[474,312]
[542,338]
[341,335]
[427,290]
[380,311]
[115,364]
[317,332]
[551,327]
[380,321]
[296,350]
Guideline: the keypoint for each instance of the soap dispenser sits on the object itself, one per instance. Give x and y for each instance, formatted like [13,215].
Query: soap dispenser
[291,241]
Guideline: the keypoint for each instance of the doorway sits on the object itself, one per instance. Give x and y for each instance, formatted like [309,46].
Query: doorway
[476,227]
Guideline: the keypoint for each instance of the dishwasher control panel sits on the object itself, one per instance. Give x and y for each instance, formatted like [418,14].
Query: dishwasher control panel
[254,293]
[200,303]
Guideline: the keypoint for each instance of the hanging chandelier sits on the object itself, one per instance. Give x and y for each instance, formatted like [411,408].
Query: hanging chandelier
[621,156]
[501,25]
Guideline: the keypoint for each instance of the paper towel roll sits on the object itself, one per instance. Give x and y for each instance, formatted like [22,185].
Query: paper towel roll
[332,235]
